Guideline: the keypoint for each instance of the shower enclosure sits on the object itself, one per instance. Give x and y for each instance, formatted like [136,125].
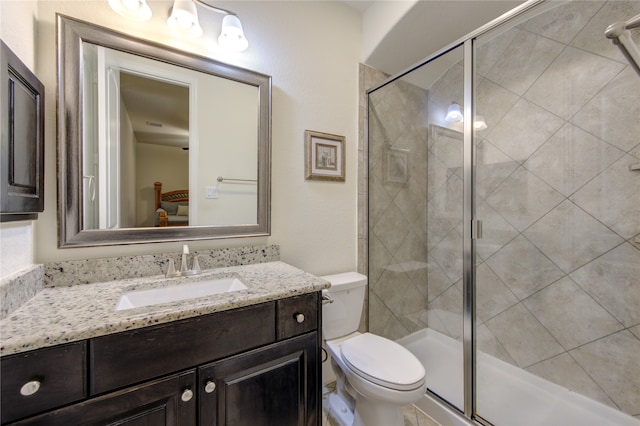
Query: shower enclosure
[504,241]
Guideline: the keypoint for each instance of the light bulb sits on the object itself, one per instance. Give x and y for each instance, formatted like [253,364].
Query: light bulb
[131,5]
[184,21]
[138,10]
[232,37]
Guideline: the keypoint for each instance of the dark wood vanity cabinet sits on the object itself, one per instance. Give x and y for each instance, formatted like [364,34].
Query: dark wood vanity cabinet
[257,365]
[274,385]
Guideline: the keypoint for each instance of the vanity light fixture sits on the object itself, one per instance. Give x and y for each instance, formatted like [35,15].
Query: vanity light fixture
[184,19]
[133,9]
[454,113]
[232,37]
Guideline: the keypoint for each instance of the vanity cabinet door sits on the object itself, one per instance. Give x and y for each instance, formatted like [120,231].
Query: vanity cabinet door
[170,401]
[278,385]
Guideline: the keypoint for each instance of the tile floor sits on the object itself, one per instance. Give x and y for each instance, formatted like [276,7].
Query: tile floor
[412,415]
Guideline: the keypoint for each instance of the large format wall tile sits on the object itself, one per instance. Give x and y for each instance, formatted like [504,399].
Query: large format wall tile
[565,21]
[492,295]
[612,280]
[492,168]
[523,198]
[571,158]
[613,196]
[614,362]
[565,371]
[523,130]
[496,232]
[571,81]
[612,114]
[523,268]
[585,322]
[526,349]
[590,37]
[570,237]
[523,61]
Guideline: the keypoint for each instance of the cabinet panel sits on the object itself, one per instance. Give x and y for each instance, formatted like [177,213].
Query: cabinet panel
[122,359]
[21,139]
[275,385]
[36,381]
[158,403]
[297,315]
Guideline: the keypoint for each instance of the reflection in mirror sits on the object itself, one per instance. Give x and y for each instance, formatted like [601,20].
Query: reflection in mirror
[162,145]
[147,133]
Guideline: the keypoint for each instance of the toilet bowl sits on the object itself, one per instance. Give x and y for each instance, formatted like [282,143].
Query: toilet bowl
[375,377]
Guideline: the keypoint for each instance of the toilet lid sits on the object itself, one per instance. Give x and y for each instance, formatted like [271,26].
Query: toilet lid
[383,362]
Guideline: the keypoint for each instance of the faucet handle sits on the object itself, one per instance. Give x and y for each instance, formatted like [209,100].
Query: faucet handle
[196,265]
[171,270]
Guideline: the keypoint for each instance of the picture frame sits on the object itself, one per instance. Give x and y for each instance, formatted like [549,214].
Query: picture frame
[397,165]
[324,156]
[21,140]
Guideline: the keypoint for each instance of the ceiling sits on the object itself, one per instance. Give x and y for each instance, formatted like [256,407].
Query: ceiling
[428,26]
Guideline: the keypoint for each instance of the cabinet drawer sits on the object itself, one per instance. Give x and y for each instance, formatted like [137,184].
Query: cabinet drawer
[123,359]
[159,402]
[49,378]
[297,315]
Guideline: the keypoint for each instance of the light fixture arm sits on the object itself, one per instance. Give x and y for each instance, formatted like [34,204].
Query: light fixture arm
[215,8]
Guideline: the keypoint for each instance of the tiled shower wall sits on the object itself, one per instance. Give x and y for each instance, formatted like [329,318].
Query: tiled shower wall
[397,210]
[558,267]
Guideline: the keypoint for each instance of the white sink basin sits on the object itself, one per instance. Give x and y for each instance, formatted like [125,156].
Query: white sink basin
[136,299]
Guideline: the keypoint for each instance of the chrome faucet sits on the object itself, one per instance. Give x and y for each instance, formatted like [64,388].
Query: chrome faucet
[184,269]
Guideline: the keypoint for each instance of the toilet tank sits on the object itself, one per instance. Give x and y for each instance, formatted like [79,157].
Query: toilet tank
[342,317]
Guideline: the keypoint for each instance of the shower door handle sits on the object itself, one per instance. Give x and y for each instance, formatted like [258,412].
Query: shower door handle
[476,229]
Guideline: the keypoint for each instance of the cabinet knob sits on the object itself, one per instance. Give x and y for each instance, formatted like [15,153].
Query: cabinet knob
[300,318]
[30,388]
[187,394]
[209,386]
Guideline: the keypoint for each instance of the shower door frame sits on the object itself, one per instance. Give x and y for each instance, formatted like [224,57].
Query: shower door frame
[472,228]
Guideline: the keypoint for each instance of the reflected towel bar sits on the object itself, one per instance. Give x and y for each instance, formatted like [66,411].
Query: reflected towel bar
[221,179]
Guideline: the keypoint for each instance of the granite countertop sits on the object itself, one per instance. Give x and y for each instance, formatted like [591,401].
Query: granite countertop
[67,314]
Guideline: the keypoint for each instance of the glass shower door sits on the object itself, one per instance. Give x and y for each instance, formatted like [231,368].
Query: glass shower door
[415,218]
[557,289]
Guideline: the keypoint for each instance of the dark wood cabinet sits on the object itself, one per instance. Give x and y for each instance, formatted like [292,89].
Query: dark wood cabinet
[258,365]
[21,140]
[36,381]
[273,386]
[169,401]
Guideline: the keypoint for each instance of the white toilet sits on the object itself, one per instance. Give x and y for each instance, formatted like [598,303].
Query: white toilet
[375,377]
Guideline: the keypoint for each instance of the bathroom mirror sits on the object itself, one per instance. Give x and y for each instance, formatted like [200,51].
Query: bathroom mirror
[132,114]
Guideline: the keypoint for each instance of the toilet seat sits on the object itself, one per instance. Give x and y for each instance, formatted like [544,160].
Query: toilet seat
[383,362]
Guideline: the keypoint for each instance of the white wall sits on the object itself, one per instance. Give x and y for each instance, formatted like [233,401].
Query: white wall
[312,51]
[225,146]
[18,30]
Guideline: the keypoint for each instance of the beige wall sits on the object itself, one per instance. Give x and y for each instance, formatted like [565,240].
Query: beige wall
[315,70]
[18,30]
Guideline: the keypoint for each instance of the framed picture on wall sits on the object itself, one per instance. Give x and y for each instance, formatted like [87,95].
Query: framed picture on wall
[324,156]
